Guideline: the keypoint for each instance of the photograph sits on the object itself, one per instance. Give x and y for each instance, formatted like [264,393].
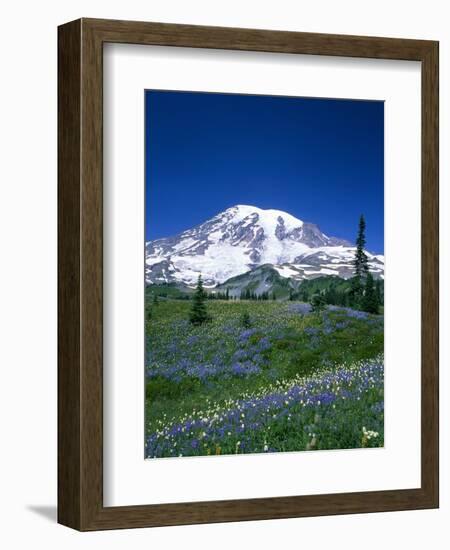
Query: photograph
[263,274]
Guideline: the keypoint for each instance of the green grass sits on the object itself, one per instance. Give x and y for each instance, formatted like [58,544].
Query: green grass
[191,368]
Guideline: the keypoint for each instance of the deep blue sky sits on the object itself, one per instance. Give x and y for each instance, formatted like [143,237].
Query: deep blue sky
[321,160]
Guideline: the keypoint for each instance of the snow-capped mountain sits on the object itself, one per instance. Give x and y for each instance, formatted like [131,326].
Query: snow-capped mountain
[244,237]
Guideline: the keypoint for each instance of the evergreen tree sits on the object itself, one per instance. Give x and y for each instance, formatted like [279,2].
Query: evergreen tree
[340,299]
[245,320]
[330,295]
[355,294]
[227,294]
[155,299]
[318,302]
[148,313]
[370,301]
[360,261]
[361,267]
[198,314]
[379,292]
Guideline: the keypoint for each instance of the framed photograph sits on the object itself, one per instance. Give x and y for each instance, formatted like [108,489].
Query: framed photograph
[248,274]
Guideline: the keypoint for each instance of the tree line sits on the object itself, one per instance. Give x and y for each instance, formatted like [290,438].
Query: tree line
[365,293]
[360,292]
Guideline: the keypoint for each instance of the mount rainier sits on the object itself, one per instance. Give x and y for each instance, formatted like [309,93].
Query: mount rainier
[241,239]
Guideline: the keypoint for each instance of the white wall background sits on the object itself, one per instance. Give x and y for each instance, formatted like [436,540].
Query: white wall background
[28,271]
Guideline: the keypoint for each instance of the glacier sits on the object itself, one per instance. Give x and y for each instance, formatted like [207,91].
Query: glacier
[244,237]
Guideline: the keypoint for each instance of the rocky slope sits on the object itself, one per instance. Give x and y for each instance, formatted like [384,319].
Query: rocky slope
[241,239]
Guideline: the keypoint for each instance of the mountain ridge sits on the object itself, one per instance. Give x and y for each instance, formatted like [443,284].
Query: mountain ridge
[243,237]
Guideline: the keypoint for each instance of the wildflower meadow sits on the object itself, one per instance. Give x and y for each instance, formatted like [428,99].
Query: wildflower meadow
[264,376]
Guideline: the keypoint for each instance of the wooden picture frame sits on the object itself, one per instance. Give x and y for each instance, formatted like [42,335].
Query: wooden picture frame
[80,272]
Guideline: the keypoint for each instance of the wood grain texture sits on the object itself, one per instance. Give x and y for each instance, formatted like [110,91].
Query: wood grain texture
[80,242]
[69,248]
[430,273]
